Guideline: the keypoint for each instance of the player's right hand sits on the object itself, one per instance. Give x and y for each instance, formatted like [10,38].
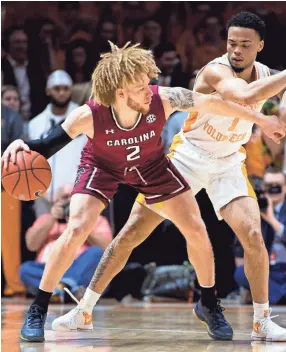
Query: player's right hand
[274,128]
[11,152]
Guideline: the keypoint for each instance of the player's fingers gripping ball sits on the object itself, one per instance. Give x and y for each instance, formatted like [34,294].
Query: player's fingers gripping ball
[28,178]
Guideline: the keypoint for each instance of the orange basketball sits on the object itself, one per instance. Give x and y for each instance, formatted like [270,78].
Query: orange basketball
[29,178]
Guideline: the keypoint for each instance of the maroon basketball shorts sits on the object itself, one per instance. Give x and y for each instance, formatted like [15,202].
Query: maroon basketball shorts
[158,181]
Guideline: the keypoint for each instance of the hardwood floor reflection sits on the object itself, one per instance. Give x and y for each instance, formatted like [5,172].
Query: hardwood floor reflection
[136,328]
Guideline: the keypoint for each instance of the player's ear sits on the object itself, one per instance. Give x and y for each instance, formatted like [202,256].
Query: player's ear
[261,46]
[120,93]
[48,92]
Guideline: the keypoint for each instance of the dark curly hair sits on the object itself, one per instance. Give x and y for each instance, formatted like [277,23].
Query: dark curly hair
[248,20]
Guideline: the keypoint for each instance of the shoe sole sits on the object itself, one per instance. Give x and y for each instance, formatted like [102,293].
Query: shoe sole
[208,330]
[78,329]
[265,339]
[32,339]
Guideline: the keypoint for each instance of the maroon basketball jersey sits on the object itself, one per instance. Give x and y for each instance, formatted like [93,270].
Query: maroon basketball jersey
[113,147]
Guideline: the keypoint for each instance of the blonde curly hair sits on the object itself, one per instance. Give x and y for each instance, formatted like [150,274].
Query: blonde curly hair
[119,67]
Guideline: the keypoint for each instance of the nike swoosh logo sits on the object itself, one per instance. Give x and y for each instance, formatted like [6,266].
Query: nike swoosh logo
[37,194]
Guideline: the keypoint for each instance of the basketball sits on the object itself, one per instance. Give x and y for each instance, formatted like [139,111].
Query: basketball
[28,178]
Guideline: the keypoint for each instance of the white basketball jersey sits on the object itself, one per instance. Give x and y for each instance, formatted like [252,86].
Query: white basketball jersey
[217,135]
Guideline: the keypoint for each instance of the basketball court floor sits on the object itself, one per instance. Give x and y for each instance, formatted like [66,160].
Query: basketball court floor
[136,327]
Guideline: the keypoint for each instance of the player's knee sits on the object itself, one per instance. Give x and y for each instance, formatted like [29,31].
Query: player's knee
[127,240]
[255,240]
[78,229]
[196,230]
[198,226]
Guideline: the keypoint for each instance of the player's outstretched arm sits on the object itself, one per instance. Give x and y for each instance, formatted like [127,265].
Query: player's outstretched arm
[221,79]
[79,121]
[186,100]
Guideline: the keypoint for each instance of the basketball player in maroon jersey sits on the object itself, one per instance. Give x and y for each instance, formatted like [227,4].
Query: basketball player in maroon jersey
[124,146]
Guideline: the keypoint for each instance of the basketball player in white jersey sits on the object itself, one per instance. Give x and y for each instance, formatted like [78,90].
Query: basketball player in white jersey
[208,153]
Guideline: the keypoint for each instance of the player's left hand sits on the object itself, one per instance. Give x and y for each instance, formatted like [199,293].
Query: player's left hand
[11,152]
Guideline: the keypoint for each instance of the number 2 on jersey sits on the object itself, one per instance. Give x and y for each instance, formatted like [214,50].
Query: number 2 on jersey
[134,154]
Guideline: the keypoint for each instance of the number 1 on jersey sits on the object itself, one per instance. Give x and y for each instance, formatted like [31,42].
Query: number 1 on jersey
[233,125]
[134,154]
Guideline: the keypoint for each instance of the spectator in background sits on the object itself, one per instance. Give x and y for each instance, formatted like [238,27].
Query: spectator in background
[275,29]
[210,30]
[152,34]
[78,61]
[11,122]
[135,11]
[19,71]
[10,97]
[106,30]
[113,9]
[208,41]
[64,168]
[75,24]
[198,12]
[69,12]
[45,231]
[273,214]
[80,65]
[171,73]
[51,56]
[45,41]
[82,30]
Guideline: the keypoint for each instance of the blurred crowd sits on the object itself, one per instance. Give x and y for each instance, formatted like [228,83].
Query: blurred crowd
[184,36]
[47,63]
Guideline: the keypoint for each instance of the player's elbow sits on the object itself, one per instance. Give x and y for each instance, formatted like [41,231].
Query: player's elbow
[242,97]
[245,97]
[249,98]
[204,102]
[209,103]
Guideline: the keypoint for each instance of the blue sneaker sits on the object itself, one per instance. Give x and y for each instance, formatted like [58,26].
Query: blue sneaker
[33,328]
[217,326]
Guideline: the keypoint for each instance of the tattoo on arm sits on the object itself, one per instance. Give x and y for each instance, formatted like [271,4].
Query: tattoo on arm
[179,98]
[107,257]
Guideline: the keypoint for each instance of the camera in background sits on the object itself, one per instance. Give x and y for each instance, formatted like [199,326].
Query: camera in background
[66,208]
[257,184]
[260,189]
